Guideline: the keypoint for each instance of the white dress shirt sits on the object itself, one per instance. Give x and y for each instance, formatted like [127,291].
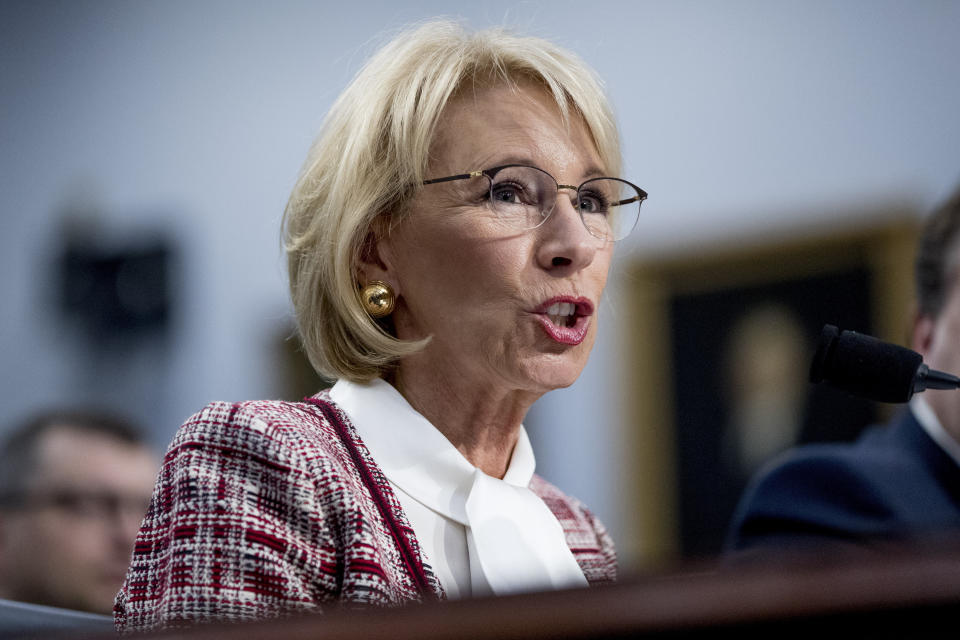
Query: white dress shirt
[931,424]
[480,534]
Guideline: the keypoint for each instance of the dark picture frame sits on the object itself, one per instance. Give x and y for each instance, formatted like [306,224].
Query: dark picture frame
[721,347]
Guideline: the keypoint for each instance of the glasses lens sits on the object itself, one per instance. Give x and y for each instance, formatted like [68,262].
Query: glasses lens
[522,197]
[609,207]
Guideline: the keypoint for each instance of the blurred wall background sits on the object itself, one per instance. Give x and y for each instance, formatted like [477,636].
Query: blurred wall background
[162,138]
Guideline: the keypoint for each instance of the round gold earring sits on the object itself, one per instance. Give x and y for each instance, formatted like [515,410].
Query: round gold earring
[378,298]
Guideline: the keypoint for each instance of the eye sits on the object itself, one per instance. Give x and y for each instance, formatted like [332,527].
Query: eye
[509,193]
[505,193]
[592,202]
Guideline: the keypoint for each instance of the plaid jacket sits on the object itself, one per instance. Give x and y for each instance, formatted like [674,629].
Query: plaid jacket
[268,508]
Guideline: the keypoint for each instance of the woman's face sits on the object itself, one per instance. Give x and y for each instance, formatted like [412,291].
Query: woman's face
[483,291]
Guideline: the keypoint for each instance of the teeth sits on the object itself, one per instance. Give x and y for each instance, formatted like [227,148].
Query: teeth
[562,314]
[561,309]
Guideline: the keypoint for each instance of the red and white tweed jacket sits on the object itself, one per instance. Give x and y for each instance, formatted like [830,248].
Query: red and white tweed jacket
[267,508]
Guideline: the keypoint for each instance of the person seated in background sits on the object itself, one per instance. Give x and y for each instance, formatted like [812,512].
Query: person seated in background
[898,483]
[74,486]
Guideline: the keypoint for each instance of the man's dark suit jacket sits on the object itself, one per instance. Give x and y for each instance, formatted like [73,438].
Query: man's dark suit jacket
[894,484]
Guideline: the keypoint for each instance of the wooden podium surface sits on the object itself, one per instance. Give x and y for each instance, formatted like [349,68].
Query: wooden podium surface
[901,594]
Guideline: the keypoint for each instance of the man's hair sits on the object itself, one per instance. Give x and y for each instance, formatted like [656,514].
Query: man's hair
[19,450]
[938,253]
[369,160]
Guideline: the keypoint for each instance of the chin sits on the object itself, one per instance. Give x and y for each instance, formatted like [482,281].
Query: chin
[550,375]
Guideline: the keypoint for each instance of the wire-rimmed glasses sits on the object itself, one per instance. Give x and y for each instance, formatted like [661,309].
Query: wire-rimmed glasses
[523,197]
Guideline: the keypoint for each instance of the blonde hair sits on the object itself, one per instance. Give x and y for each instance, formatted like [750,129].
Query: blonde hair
[370,156]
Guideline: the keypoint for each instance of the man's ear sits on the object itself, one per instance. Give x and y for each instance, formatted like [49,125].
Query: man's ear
[923,327]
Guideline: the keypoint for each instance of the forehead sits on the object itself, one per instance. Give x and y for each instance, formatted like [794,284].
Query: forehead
[68,456]
[500,123]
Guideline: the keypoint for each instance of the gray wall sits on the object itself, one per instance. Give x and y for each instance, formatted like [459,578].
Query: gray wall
[190,119]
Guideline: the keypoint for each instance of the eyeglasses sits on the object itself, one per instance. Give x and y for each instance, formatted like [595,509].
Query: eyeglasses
[94,505]
[523,197]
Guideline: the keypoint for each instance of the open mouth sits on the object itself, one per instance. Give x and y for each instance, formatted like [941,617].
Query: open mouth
[566,319]
[562,314]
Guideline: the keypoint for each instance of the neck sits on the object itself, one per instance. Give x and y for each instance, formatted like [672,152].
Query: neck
[481,421]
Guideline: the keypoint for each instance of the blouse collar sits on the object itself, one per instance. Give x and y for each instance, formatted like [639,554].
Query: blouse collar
[413,454]
[515,542]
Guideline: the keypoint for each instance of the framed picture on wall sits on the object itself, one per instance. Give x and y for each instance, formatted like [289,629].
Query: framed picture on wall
[722,347]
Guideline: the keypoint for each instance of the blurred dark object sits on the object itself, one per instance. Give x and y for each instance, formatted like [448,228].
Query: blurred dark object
[116,291]
[873,369]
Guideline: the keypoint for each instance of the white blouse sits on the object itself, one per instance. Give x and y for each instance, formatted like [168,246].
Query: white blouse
[481,535]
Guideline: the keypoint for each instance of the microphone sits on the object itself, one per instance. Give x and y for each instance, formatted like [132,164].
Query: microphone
[872,369]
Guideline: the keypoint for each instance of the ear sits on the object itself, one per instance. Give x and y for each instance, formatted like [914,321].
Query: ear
[375,260]
[923,327]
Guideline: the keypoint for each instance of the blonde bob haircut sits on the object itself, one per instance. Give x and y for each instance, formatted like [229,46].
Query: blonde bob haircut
[369,160]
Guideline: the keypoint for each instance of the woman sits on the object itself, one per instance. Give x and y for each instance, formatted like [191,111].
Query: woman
[442,275]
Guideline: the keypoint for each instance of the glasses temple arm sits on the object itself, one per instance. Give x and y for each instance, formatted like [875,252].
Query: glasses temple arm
[459,176]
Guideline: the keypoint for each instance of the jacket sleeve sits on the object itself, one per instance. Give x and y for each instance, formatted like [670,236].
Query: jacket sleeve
[605,564]
[591,545]
[806,502]
[234,530]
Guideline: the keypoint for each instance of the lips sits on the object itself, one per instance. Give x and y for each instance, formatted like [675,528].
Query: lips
[565,319]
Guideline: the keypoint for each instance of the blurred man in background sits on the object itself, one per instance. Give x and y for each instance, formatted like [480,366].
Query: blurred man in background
[899,483]
[74,487]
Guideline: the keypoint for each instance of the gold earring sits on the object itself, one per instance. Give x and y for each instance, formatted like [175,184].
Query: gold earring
[378,299]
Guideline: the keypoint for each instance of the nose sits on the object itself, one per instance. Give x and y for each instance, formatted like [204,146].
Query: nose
[565,245]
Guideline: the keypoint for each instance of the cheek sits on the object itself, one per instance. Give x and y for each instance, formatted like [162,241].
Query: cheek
[946,335]
[473,267]
[51,538]
[946,348]
[600,269]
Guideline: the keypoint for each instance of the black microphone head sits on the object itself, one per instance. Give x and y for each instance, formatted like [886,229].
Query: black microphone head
[865,366]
